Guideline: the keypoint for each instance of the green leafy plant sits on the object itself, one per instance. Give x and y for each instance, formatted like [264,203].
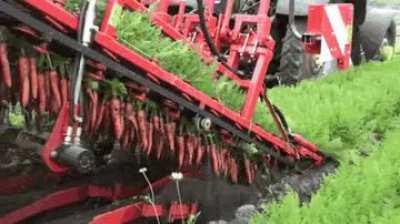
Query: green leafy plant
[365,192]
[344,112]
[136,31]
[350,113]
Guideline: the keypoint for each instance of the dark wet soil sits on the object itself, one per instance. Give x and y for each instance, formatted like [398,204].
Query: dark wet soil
[217,198]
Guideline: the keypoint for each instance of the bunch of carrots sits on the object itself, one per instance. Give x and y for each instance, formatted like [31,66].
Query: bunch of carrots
[43,86]
[142,125]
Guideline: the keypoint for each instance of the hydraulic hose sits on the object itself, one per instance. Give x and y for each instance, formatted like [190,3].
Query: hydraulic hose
[210,42]
[292,24]
[277,115]
[78,58]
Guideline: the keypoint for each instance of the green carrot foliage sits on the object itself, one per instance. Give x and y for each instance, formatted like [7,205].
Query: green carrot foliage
[362,193]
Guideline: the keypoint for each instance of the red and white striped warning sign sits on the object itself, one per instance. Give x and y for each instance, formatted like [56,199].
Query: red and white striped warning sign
[333,24]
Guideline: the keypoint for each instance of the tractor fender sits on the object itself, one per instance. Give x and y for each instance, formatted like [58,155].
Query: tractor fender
[374,29]
[301,7]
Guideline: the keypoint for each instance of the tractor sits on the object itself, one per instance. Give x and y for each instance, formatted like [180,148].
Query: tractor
[125,98]
[373,30]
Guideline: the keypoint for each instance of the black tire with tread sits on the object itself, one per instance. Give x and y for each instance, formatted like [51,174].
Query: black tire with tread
[295,64]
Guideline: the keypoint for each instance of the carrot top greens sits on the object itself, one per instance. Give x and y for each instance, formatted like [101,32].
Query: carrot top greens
[136,31]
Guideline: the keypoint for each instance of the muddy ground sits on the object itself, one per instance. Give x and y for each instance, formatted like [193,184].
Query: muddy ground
[218,198]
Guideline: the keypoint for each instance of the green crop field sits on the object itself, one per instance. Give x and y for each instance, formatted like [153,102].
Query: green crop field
[354,116]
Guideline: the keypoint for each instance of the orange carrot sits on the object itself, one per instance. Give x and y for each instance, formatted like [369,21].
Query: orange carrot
[55,88]
[170,131]
[181,149]
[141,118]
[33,77]
[115,109]
[23,67]
[64,90]
[5,65]
[42,93]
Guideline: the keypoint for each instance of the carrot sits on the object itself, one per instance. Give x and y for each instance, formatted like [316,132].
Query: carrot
[223,161]
[33,77]
[247,167]
[227,156]
[199,154]
[55,88]
[106,123]
[115,109]
[254,169]
[141,118]
[23,67]
[162,126]
[214,159]
[156,122]
[220,161]
[160,146]
[5,65]
[181,149]
[64,90]
[170,131]
[150,140]
[234,170]
[190,148]
[47,88]
[131,116]
[125,138]
[101,110]
[94,110]
[122,110]
[128,124]
[42,93]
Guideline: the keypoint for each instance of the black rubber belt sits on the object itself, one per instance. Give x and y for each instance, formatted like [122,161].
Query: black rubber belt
[132,74]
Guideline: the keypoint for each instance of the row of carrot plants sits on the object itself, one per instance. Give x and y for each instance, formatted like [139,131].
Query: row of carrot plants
[355,116]
[345,112]
[364,192]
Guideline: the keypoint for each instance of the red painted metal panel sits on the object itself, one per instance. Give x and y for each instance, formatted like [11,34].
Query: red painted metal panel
[55,12]
[111,45]
[151,67]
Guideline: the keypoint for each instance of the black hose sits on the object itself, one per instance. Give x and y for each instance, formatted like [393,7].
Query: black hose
[214,51]
[292,24]
[281,117]
[210,43]
[204,29]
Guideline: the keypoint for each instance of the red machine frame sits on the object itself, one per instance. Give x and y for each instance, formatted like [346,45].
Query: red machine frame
[75,194]
[255,45]
[107,40]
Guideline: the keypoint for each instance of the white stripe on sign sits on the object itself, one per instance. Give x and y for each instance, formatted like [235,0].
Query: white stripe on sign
[337,23]
[325,54]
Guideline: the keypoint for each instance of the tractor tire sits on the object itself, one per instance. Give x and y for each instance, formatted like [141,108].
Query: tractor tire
[388,43]
[295,64]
